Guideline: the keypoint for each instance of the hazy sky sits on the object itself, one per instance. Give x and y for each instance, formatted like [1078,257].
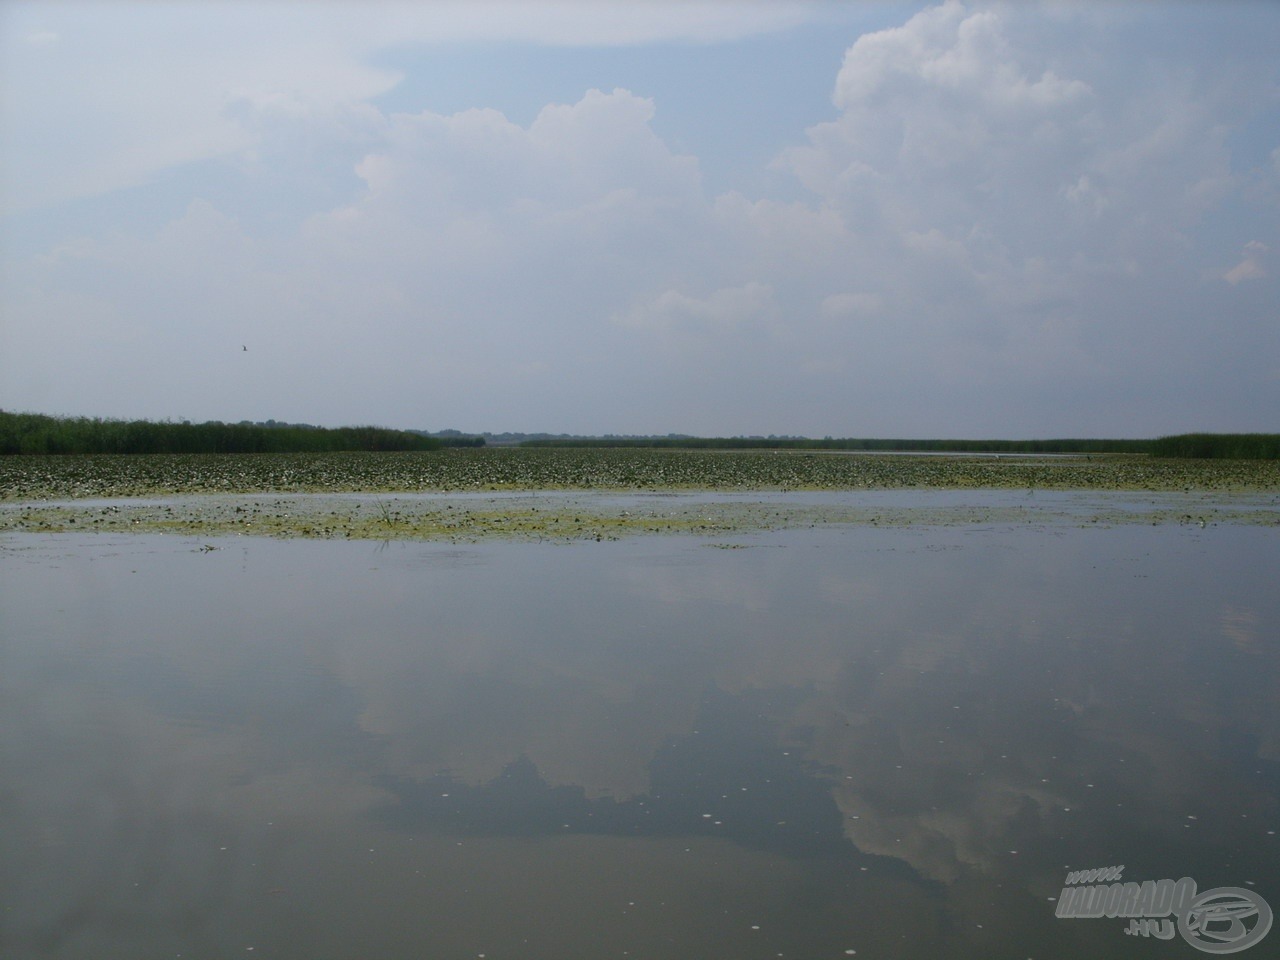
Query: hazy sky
[855,219]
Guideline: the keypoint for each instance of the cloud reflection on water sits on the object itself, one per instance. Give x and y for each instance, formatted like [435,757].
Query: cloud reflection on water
[821,718]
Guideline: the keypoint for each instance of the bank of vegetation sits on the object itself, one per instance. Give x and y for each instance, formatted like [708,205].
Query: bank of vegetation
[494,469]
[453,438]
[868,445]
[33,433]
[1251,446]
[1219,446]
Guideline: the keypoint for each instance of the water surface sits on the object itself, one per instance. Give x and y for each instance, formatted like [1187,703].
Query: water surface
[797,744]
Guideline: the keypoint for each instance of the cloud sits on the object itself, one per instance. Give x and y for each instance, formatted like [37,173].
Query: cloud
[1004,215]
[995,179]
[720,311]
[572,154]
[852,305]
[1251,267]
[603,24]
[947,48]
[472,239]
[152,87]
[998,128]
[947,124]
[133,90]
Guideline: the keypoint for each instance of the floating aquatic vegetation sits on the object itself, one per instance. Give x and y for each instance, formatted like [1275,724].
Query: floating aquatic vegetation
[282,494]
[75,477]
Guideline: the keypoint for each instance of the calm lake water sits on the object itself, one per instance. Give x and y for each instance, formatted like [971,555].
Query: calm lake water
[889,741]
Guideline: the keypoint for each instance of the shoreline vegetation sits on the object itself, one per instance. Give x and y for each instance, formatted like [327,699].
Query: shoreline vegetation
[604,491]
[642,470]
[565,492]
[1237,446]
[590,516]
[33,433]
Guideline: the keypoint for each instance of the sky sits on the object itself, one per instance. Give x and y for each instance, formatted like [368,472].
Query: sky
[964,219]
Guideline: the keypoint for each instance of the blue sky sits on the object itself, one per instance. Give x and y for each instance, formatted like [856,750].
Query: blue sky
[855,219]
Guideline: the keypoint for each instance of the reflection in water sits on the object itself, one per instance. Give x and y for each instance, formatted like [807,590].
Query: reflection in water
[727,780]
[890,741]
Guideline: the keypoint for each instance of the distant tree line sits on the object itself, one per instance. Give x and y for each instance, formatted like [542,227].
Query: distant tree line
[461,441]
[1254,446]
[38,433]
[1225,446]
[804,443]
[452,438]
[35,433]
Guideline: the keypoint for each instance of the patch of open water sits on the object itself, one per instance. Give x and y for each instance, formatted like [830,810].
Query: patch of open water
[890,741]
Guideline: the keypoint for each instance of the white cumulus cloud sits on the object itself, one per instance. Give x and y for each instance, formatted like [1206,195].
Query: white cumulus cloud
[1013,223]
